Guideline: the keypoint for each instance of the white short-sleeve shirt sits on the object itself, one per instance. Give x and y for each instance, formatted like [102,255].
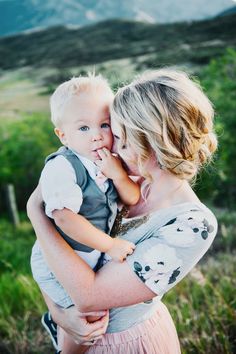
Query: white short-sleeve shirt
[59,187]
[60,190]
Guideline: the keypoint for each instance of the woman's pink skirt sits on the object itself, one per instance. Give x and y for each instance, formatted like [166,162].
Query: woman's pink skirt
[156,335]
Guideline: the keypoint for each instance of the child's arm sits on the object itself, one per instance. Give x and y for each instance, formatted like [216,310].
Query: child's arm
[63,198]
[111,167]
[81,230]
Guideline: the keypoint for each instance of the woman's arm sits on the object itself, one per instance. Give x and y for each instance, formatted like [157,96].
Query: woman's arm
[113,286]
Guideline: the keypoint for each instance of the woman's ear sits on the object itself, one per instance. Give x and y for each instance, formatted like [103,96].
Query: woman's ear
[61,135]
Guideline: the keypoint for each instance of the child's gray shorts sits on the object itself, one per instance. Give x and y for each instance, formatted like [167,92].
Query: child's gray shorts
[46,279]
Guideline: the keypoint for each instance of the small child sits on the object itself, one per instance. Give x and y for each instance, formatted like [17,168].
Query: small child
[80,197]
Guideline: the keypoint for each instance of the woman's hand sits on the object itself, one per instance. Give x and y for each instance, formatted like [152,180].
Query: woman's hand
[83,332]
[78,325]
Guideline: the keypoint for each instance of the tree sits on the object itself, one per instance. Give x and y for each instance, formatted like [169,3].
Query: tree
[24,145]
[219,81]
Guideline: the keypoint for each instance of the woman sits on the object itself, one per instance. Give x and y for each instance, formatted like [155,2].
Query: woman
[163,130]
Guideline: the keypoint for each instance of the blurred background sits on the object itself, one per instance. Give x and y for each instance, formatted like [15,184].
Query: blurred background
[45,43]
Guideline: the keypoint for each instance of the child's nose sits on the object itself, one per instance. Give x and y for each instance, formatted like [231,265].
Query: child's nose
[97,136]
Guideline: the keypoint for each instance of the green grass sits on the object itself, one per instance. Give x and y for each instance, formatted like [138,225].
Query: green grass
[21,302]
[20,93]
[203,305]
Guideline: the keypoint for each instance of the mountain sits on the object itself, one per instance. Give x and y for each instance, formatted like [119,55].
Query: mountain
[61,47]
[20,15]
[230,11]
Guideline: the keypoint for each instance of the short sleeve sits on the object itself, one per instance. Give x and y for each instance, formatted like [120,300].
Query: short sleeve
[59,187]
[165,257]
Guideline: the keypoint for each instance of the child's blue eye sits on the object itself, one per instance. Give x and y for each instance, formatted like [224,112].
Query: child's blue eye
[105,125]
[84,128]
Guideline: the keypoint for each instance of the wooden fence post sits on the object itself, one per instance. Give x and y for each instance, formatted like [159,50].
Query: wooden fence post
[11,204]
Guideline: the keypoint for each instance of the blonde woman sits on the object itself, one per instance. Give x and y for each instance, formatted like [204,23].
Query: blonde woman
[163,130]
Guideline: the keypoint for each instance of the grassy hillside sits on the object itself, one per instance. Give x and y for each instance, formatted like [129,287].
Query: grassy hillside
[194,42]
[21,94]
[202,305]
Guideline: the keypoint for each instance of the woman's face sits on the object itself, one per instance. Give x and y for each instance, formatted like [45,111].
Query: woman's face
[124,150]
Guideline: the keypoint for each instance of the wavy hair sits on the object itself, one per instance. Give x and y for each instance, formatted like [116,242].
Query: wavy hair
[166,114]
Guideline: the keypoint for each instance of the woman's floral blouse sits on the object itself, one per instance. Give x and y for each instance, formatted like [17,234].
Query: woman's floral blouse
[169,243]
[172,245]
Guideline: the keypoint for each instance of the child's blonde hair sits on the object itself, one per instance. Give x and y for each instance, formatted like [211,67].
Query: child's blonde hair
[72,87]
[165,113]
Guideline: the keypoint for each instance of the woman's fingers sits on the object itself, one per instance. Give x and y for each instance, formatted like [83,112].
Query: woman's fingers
[96,334]
[91,342]
[99,324]
[93,339]
[94,313]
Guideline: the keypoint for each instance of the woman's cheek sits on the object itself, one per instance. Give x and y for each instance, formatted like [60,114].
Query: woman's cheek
[130,162]
[114,147]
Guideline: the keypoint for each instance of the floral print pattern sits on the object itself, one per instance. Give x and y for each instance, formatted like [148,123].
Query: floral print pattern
[162,265]
[182,230]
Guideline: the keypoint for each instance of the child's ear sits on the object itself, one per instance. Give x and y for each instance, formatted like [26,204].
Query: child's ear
[61,135]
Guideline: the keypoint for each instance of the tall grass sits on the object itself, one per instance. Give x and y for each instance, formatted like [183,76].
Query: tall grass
[203,305]
[20,299]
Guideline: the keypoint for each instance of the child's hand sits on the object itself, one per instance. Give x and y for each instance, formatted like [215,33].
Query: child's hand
[120,249]
[110,165]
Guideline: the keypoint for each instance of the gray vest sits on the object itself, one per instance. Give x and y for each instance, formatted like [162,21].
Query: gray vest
[97,207]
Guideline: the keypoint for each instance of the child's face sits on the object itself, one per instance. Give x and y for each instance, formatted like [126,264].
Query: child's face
[86,124]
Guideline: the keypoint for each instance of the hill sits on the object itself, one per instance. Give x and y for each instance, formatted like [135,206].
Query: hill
[18,16]
[230,11]
[61,47]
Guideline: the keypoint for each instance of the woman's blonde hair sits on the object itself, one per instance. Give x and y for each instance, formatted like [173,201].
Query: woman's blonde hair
[165,114]
[72,87]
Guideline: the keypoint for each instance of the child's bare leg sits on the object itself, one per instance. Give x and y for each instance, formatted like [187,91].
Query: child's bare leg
[67,345]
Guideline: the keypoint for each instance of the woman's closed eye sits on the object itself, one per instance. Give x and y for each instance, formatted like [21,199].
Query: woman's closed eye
[116,137]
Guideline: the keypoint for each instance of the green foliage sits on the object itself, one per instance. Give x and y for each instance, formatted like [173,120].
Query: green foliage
[226,235]
[20,298]
[203,304]
[24,146]
[219,80]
